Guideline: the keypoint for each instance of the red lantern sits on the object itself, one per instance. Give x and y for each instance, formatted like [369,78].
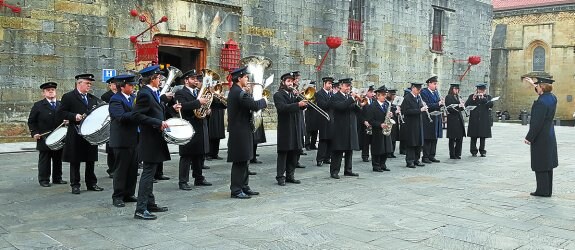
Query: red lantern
[134,13]
[230,56]
[333,42]
[474,60]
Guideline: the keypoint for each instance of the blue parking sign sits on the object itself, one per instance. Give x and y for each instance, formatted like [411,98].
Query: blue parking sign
[107,74]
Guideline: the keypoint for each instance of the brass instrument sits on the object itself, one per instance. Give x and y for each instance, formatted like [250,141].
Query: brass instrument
[388,121]
[256,65]
[173,73]
[426,111]
[217,91]
[309,95]
[209,77]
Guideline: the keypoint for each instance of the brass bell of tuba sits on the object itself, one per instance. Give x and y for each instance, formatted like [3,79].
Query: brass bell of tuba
[256,66]
[173,73]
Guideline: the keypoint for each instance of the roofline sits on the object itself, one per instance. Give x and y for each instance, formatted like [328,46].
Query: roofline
[528,6]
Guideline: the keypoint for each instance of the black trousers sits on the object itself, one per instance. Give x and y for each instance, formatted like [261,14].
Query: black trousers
[49,163]
[240,178]
[126,174]
[287,161]
[335,165]
[392,148]
[402,148]
[378,161]
[455,146]
[365,147]
[255,149]
[214,148]
[429,148]
[196,162]
[323,150]
[159,170]
[311,138]
[473,145]
[110,160]
[544,182]
[412,154]
[146,188]
[89,175]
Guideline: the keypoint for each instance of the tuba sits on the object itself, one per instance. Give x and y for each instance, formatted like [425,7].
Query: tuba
[388,121]
[256,65]
[205,92]
[173,73]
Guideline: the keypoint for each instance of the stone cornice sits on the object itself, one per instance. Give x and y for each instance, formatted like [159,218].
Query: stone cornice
[533,10]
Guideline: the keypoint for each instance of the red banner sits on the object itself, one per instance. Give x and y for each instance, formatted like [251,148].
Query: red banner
[147,52]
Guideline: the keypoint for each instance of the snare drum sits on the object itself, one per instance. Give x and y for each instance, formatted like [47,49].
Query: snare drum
[180,131]
[55,141]
[95,128]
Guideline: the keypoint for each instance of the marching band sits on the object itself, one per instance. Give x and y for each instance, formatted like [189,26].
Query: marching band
[136,128]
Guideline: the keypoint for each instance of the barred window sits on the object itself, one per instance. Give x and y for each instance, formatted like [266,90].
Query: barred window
[539,59]
[355,21]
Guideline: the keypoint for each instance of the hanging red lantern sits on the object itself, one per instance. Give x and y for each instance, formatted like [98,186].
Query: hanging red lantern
[133,12]
[474,60]
[230,56]
[333,42]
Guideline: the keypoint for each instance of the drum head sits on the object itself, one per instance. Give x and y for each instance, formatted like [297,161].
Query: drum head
[180,129]
[57,135]
[97,119]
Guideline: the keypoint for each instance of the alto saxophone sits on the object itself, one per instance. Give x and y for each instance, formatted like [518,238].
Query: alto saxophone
[388,121]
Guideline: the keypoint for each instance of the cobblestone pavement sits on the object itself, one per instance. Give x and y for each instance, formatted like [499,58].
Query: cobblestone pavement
[472,203]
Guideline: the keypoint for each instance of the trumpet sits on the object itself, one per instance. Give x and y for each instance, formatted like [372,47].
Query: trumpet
[309,96]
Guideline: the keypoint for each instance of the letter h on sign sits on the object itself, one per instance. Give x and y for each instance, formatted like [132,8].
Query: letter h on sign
[107,74]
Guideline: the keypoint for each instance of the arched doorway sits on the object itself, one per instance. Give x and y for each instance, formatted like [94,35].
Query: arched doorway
[184,53]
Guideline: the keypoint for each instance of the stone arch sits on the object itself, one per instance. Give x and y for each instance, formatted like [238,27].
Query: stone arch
[537,56]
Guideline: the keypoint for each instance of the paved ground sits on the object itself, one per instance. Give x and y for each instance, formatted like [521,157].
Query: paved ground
[472,203]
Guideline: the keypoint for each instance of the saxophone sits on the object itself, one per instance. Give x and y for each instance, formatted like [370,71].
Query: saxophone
[388,121]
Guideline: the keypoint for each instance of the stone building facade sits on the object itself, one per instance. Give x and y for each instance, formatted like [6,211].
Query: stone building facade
[391,42]
[533,38]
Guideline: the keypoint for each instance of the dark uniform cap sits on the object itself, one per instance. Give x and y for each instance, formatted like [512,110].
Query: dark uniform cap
[287,75]
[335,84]
[129,79]
[48,85]
[392,91]
[431,79]
[150,71]
[111,80]
[296,73]
[381,89]
[328,78]
[481,86]
[370,88]
[544,80]
[345,80]
[89,77]
[240,72]
[416,85]
[454,85]
[188,74]
[311,83]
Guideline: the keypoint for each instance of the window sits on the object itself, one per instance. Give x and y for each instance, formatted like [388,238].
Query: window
[539,59]
[353,59]
[355,22]
[437,31]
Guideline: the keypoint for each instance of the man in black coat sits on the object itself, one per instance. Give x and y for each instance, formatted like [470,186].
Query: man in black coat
[479,123]
[455,122]
[396,110]
[376,115]
[344,129]
[541,136]
[412,130]
[43,120]
[300,117]
[240,126]
[76,104]
[322,98]
[110,153]
[216,128]
[152,149]
[123,141]
[431,130]
[312,118]
[193,153]
[288,133]
[363,124]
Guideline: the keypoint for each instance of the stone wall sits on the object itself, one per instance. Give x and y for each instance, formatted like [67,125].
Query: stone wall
[53,40]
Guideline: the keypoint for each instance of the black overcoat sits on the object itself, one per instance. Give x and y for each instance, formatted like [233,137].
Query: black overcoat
[375,115]
[123,127]
[344,126]
[455,122]
[107,96]
[216,128]
[240,125]
[479,118]
[542,133]
[199,144]
[77,149]
[288,134]
[322,101]
[43,119]
[149,113]
[412,130]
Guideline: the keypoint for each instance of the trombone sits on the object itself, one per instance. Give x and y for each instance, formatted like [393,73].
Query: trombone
[309,95]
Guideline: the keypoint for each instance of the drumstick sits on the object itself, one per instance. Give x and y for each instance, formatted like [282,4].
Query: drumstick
[179,110]
[45,133]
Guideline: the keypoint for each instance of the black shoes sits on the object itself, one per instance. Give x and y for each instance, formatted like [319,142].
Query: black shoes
[202,183]
[335,176]
[118,203]
[351,174]
[434,160]
[365,159]
[319,163]
[483,155]
[241,195]
[453,157]
[419,164]
[251,192]
[216,158]
[391,156]
[130,199]
[146,215]
[76,190]
[540,195]
[281,182]
[255,161]
[302,153]
[377,170]
[299,166]
[327,161]
[294,181]
[59,182]
[95,188]
[205,167]
[185,186]
[384,168]
[45,184]
[474,155]
[157,209]
[251,173]
[425,161]
[162,178]
[410,166]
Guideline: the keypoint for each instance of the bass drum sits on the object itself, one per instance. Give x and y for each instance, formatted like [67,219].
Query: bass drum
[55,141]
[95,128]
[179,132]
